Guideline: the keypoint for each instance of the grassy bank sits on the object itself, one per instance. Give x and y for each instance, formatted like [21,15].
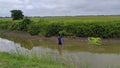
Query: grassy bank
[19,61]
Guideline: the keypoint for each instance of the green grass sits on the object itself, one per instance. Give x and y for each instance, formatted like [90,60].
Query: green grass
[73,19]
[20,61]
[79,18]
[5,19]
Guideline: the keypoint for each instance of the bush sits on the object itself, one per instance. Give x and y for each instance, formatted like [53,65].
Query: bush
[82,31]
[53,29]
[33,29]
[63,33]
[20,24]
[96,30]
[24,23]
[114,31]
[70,29]
[15,25]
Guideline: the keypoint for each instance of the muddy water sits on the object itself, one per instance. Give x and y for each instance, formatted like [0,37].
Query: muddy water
[76,52]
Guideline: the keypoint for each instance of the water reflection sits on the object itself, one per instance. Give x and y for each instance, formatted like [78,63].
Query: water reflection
[13,47]
[60,49]
[79,58]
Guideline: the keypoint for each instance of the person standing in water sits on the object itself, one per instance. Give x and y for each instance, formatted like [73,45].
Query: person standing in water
[60,43]
[59,40]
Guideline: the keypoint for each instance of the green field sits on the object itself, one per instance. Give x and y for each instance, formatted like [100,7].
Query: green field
[79,26]
[80,19]
[73,19]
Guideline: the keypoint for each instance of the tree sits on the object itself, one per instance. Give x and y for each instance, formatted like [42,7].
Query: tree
[17,14]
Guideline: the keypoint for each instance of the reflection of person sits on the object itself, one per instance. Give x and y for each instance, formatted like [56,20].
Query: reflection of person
[60,50]
[59,40]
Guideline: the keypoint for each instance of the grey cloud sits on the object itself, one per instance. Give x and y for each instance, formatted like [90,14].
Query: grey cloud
[61,7]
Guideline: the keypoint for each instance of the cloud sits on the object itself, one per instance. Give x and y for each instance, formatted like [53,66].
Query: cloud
[11,2]
[29,7]
[61,7]
[26,1]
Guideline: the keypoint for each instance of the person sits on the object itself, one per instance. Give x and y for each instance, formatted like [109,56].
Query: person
[61,44]
[59,40]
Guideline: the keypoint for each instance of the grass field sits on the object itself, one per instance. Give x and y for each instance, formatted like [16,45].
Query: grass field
[79,19]
[73,18]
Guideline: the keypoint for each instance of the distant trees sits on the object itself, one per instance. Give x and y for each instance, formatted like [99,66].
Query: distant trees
[17,14]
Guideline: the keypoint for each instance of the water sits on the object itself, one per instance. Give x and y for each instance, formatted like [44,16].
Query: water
[73,52]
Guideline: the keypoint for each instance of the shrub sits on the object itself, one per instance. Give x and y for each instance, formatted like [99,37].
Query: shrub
[20,24]
[24,23]
[70,29]
[82,31]
[96,30]
[15,25]
[53,29]
[63,33]
[114,31]
[33,29]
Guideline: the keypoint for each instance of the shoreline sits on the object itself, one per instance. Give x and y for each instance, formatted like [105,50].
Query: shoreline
[25,35]
[71,44]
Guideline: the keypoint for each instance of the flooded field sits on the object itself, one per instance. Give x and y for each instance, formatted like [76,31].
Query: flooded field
[74,51]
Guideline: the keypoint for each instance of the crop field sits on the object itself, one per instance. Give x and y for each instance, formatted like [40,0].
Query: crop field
[72,18]
[79,26]
[80,19]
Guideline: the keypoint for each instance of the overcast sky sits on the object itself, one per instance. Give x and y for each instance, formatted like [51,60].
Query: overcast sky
[61,7]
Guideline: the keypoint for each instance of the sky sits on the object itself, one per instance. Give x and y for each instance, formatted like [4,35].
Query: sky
[60,7]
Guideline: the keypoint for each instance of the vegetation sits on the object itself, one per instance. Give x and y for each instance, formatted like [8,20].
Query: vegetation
[94,27]
[17,14]
[94,41]
[20,61]
[86,26]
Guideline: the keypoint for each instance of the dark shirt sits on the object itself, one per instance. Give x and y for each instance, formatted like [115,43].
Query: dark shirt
[60,40]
